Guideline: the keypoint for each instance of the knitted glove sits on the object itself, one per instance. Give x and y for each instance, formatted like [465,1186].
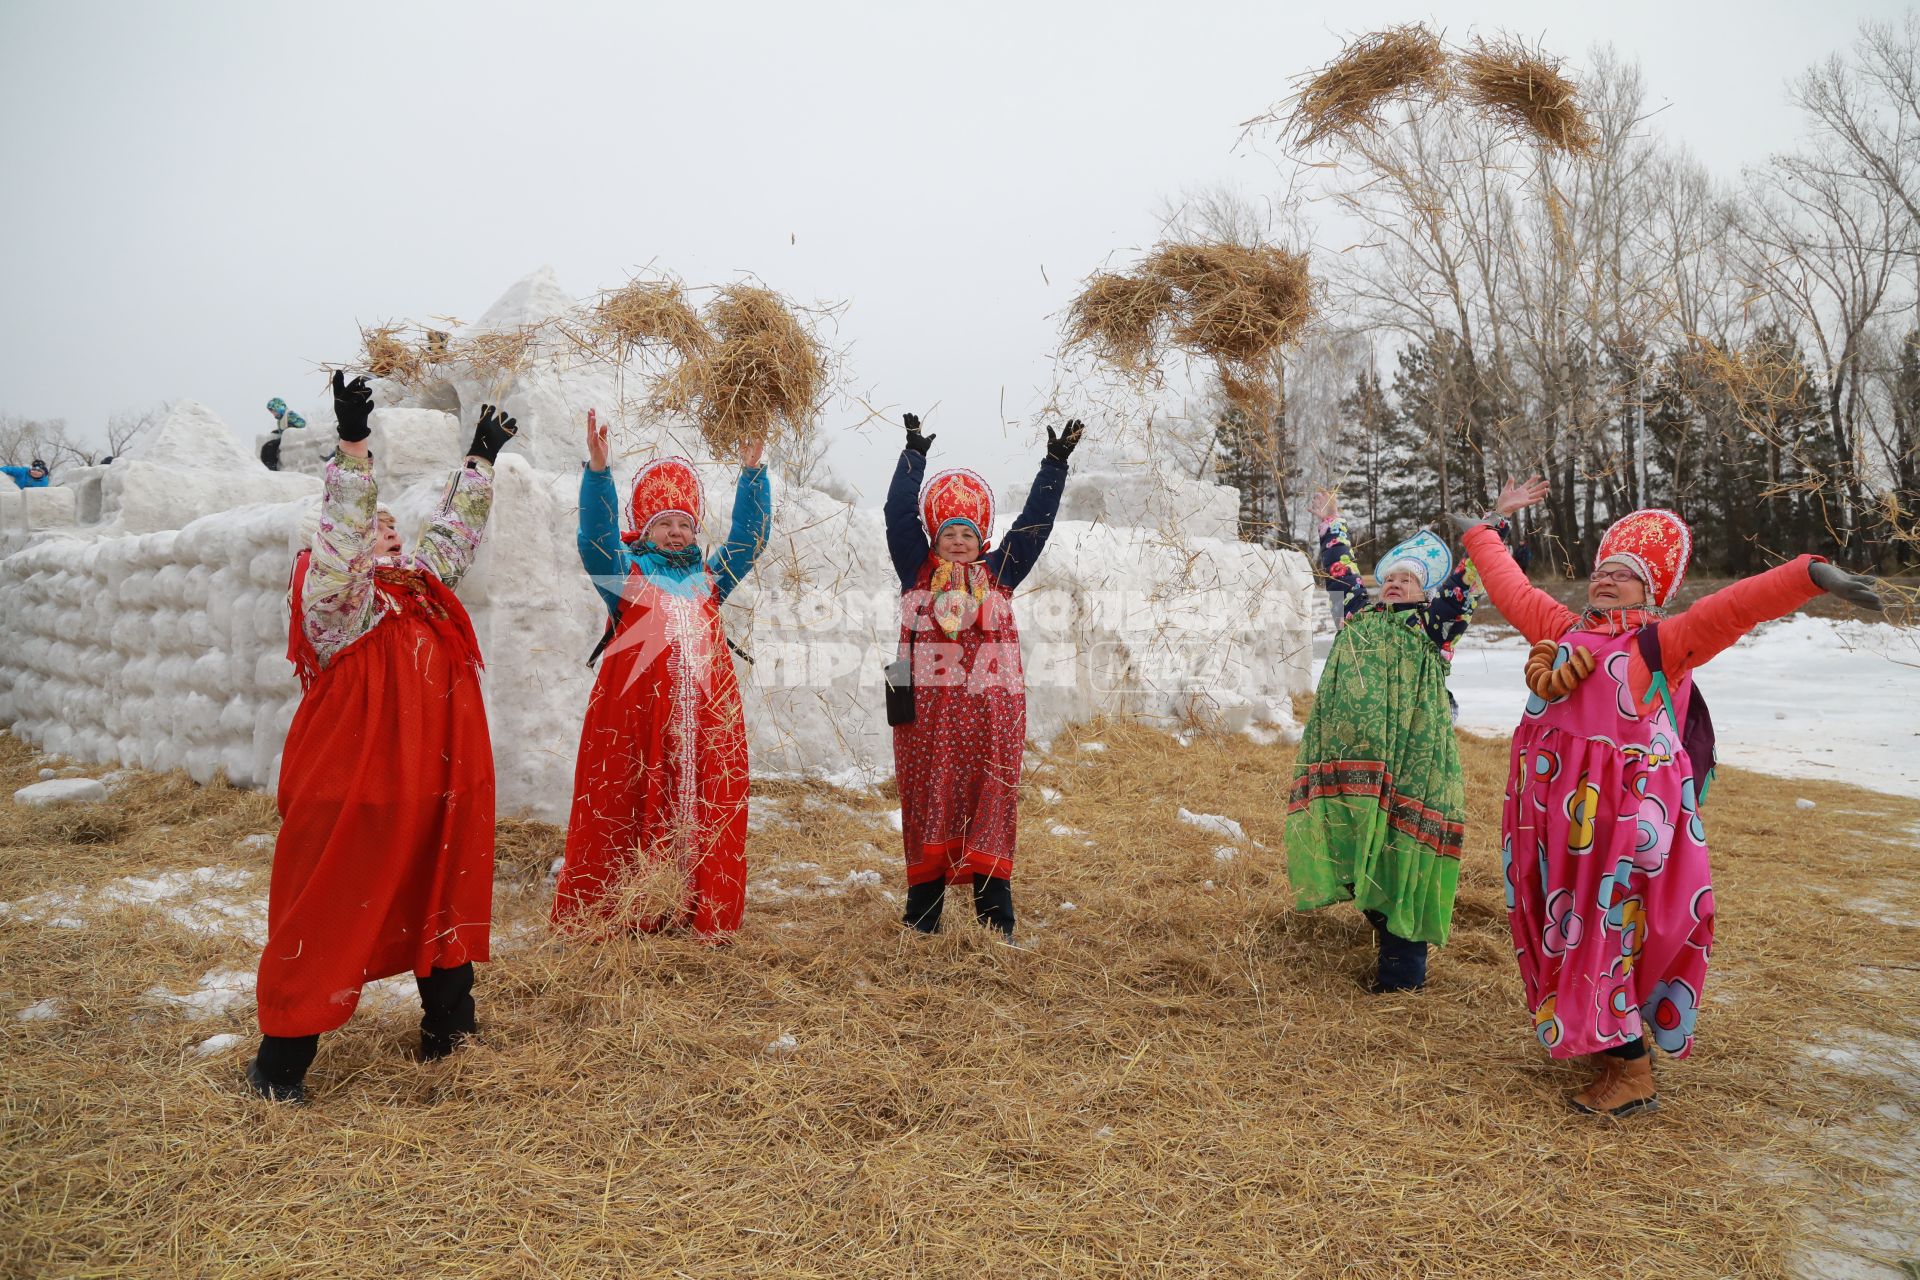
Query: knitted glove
[352,406]
[916,441]
[495,429]
[1854,588]
[1061,447]
[1462,523]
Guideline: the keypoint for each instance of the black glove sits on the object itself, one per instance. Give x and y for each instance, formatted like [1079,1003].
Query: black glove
[1854,588]
[916,441]
[495,429]
[1060,447]
[352,404]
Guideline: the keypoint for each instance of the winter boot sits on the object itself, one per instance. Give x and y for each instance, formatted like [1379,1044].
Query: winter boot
[993,903]
[924,902]
[1403,964]
[278,1072]
[446,1011]
[1623,1087]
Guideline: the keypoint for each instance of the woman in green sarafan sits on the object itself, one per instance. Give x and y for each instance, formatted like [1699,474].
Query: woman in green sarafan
[1377,811]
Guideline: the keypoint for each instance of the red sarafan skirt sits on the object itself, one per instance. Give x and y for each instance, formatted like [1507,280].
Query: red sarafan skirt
[384,863]
[661,778]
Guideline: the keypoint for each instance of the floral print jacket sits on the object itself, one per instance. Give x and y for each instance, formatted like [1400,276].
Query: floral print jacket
[340,600]
[1443,616]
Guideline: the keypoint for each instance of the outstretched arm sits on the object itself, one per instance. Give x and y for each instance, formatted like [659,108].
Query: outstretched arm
[1711,624]
[599,537]
[1336,553]
[906,540]
[752,515]
[337,602]
[1020,550]
[453,535]
[1453,604]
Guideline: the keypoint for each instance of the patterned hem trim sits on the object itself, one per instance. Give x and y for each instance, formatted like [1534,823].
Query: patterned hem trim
[1337,778]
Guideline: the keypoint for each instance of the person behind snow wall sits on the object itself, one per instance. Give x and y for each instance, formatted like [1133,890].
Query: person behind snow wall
[384,862]
[1608,892]
[1377,811]
[660,783]
[958,760]
[33,476]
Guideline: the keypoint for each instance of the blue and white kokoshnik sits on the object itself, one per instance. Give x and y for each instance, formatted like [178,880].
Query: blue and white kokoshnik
[1424,554]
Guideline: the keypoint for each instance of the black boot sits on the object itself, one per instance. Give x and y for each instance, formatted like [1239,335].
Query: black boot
[924,902]
[446,1011]
[993,903]
[278,1072]
[1403,963]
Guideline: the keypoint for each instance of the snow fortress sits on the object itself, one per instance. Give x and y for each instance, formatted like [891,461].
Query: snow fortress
[143,605]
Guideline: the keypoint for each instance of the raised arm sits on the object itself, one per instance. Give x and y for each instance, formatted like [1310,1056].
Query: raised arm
[906,540]
[1020,550]
[599,535]
[752,516]
[337,601]
[453,535]
[1454,603]
[1336,553]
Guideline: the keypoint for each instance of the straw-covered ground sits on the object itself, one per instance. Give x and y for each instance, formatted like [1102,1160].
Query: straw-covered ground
[1178,1075]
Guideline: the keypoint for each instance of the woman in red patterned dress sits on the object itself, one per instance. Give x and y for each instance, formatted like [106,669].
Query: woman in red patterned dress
[958,760]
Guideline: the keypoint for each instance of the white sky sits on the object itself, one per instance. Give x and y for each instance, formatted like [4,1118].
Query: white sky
[202,199]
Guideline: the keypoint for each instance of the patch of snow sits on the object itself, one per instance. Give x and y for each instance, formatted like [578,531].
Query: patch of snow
[1206,886]
[1068,906]
[61,791]
[1225,853]
[1886,912]
[861,879]
[1049,795]
[782,1045]
[217,1044]
[1093,746]
[1060,829]
[260,840]
[42,1010]
[1803,804]
[217,992]
[1215,823]
[895,821]
[47,774]
[195,900]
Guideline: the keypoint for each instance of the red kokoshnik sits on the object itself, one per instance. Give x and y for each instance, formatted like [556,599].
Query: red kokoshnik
[665,486]
[1656,544]
[957,494]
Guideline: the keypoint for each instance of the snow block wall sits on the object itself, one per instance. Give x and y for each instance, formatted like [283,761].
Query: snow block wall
[145,622]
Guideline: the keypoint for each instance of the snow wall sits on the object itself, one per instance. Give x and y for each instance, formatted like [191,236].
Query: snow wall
[143,609]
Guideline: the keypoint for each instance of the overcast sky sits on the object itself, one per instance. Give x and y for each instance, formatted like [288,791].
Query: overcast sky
[203,199]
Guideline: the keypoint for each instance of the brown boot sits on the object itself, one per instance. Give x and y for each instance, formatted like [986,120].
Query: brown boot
[1624,1087]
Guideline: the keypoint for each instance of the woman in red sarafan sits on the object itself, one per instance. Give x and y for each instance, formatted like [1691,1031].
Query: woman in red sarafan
[661,774]
[384,862]
[958,761]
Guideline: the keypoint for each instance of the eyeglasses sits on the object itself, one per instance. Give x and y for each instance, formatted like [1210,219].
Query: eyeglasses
[1620,576]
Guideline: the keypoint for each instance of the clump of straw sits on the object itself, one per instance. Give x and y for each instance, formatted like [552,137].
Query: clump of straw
[1233,304]
[1402,63]
[1117,316]
[646,313]
[1522,89]
[761,376]
[385,354]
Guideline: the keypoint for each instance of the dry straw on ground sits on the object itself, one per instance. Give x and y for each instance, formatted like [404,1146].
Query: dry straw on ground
[1178,1076]
[762,376]
[1523,90]
[1402,64]
[1235,305]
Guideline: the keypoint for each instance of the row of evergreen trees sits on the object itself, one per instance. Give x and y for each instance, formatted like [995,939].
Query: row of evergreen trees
[1749,459]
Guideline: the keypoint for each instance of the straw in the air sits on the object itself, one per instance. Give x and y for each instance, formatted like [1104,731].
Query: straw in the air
[1233,304]
[649,312]
[1118,316]
[762,375]
[1523,90]
[1403,63]
[385,354]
